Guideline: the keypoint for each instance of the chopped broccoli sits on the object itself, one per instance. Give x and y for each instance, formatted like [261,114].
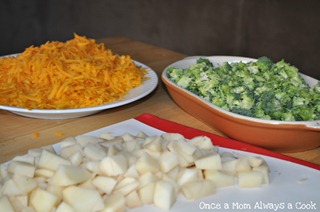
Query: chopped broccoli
[264,64]
[206,61]
[242,111]
[261,89]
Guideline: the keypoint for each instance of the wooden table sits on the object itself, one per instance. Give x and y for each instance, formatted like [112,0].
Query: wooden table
[17,132]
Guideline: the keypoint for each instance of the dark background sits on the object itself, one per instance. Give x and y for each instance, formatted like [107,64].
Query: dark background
[279,29]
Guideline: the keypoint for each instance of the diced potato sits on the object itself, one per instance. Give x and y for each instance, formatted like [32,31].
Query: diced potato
[264,169]
[168,161]
[114,165]
[146,193]
[5,204]
[56,190]
[43,173]
[115,172]
[42,200]
[51,161]
[94,151]
[64,207]
[173,182]
[249,179]
[10,188]
[185,160]
[202,142]
[212,161]
[105,184]
[185,147]
[188,175]
[196,189]
[133,200]
[67,142]
[76,159]
[92,166]
[22,168]
[69,175]
[106,135]
[255,161]
[83,140]
[83,199]
[126,185]
[116,202]
[24,184]
[229,166]
[141,134]
[220,179]
[174,173]
[128,137]
[147,164]
[147,178]
[154,145]
[70,150]
[27,158]
[164,195]
[19,202]
[113,149]
[243,165]
[132,172]
[172,136]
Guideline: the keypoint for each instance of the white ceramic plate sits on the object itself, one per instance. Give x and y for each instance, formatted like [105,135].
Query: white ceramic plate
[136,93]
[292,185]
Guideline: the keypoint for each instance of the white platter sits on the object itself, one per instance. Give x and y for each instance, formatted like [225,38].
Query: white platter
[291,184]
[135,94]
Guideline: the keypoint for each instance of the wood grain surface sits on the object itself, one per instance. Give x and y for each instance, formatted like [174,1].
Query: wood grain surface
[17,132]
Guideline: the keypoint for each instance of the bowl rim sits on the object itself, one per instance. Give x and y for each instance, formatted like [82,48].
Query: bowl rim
[314,124]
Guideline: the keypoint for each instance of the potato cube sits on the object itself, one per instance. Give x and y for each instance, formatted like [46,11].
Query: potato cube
[114,165]
[133,200]
[220,179]
[5,204]
[116,202]
[24,184]
[22,168]
[105,184]
[82,199]
[94,151]
[146,193]
[197,189]
[164,195]
[249,179]
[69,175]
[51,161]
[147,164]
[168,161]
[43,200]
[212,161]
[64,207]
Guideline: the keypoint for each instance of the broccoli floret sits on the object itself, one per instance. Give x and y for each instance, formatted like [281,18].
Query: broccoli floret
[264,64]
[205,61]
[184,81]
[175,73]
[304,113]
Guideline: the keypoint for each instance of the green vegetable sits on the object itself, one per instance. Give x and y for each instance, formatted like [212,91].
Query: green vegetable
[261,89]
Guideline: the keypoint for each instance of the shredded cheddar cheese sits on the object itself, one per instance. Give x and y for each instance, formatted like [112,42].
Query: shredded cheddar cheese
[36,135]
[58,133]
[64,75]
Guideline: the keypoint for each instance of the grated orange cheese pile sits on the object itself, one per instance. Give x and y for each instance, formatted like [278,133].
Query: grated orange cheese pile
[63,75]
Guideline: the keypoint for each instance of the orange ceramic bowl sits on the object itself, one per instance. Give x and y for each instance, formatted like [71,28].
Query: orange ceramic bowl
[281,136]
